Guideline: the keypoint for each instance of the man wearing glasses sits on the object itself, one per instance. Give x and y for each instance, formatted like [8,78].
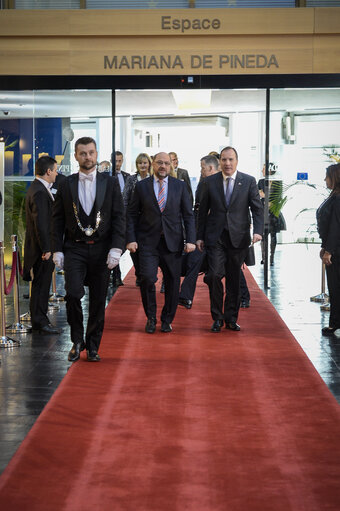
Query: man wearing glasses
[159,208]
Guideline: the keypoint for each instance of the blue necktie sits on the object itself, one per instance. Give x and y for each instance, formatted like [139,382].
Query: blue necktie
[229,191]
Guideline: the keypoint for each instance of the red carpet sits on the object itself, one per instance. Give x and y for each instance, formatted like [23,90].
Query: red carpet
[237,421]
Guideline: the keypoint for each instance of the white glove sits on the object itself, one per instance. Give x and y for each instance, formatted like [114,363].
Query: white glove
[113,258]
[58,259]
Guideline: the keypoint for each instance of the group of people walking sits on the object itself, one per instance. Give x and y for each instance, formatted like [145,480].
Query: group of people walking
[96,217]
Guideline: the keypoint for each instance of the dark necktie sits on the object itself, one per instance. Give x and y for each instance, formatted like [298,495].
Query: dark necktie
[229,191]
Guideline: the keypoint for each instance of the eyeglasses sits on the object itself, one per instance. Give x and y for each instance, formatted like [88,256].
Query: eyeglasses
[160,162]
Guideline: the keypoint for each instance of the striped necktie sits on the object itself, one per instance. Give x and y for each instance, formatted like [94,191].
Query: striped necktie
[161,195]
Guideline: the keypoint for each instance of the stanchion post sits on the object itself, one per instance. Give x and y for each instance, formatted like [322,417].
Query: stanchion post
[5,341]
[55,297]
[322,297]
[17,327]
[27,315]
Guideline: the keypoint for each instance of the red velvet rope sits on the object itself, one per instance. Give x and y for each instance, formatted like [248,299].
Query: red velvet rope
[8,288]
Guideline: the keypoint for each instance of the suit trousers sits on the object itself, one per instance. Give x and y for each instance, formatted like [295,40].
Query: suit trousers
[191,266]
[170,263]
[245,295]
[224,260]
[333,282]
[40,292]
[86,265]
[135,260]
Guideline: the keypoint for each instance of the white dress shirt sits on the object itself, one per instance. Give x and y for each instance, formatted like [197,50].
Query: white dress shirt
[121,181]
[87,190]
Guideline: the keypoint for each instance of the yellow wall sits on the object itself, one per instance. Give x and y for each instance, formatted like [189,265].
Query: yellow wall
[142,42]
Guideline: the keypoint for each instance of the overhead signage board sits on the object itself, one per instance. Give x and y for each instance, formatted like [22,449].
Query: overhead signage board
[182,41]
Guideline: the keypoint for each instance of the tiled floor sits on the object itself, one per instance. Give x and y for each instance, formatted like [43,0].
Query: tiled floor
[294,279]
[29,374]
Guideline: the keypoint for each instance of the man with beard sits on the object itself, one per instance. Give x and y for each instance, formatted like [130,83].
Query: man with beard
[88,238]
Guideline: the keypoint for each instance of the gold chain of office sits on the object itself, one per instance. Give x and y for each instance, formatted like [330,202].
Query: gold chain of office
[87,230]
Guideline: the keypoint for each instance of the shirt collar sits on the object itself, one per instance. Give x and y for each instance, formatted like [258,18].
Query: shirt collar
[93,173]
[44,182]
[165,179]
[233,176]
[139,177]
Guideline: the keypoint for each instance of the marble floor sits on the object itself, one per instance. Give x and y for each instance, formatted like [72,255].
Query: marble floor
[30,373]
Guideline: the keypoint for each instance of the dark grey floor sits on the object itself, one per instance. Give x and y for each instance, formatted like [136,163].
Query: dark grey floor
[29,374]
[294,279]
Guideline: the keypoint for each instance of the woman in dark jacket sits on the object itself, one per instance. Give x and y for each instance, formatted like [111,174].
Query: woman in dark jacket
[143,170]
[328,219]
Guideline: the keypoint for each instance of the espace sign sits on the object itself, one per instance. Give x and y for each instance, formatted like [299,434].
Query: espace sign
[184,24]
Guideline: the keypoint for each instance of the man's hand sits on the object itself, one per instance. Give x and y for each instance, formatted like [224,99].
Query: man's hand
[58,259]
[132,247]
[256,238]
[189,247]
[46,256]
[113,258]
[326,258]
[200,245]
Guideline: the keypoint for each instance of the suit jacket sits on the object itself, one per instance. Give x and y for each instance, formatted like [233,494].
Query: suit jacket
[328,220]
[38,209]
[183,175]
[123,173]
[146,223]
[108,201]
[214,215]
[130,184]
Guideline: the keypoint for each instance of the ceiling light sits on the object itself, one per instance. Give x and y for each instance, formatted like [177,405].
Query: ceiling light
[190,99]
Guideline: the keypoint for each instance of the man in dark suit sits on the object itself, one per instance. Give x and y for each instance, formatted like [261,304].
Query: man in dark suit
[159,208]
[88,239]
[181,174]
[117,162]
[192,263]
[224,230]
[38,243]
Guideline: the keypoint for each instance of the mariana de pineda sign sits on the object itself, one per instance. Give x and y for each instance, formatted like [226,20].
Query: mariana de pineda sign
[192,61]
[188,60]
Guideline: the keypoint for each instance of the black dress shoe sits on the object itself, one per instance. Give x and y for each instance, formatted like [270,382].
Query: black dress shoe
[328,330]
[92,356]
[150,326]
[49,330]
[245,304]
[232,325]
[217,325]
[186,303]
[166,327]
[74,353]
